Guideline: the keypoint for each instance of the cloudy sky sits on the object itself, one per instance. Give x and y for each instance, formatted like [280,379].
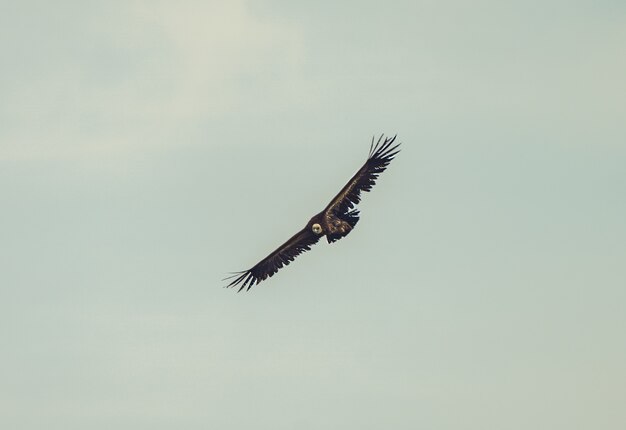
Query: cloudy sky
[147,148]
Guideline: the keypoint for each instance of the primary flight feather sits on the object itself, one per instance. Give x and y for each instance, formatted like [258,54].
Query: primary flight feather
[335,221]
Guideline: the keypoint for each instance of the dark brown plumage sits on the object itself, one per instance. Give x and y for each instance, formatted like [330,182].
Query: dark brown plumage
[334,222]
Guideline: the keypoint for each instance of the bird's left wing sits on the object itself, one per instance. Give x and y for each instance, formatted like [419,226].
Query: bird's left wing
[379,158]
[285,254]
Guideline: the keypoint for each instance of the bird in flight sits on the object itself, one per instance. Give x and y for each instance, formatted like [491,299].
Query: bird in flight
[335,221]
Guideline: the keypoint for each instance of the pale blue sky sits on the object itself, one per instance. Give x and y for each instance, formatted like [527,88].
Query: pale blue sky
[148,148]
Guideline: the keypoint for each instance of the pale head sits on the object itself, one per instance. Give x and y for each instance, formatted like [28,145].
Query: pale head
[317,229]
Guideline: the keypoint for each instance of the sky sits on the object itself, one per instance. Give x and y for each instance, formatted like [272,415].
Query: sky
[148,148]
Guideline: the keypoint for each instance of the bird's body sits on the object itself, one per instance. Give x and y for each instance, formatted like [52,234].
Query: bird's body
[338,226]
[337,219]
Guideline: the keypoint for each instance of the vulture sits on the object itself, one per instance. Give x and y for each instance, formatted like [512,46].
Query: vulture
[335,221]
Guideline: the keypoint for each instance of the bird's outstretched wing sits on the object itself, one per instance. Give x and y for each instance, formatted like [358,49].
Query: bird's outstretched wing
[286,253]
[379,158]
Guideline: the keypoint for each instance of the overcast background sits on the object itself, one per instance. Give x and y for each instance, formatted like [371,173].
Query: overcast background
[147,148]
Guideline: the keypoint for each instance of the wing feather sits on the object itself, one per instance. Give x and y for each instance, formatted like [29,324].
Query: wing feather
[282,256]
[379,158]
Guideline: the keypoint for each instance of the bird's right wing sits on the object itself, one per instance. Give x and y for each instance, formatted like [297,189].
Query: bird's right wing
[285,254]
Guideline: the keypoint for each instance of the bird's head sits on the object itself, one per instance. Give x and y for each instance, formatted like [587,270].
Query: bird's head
[317,229]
